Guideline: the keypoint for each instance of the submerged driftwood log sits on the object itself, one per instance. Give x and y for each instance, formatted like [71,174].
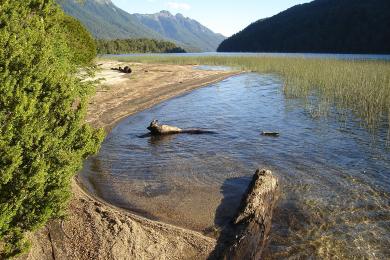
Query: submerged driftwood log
[267,133]
[156,129]
[248,236]
[126,69]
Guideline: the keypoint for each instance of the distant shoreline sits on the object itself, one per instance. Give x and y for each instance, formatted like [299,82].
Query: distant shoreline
[337,56]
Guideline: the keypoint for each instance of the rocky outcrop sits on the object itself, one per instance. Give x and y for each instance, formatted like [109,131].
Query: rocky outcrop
[247,236]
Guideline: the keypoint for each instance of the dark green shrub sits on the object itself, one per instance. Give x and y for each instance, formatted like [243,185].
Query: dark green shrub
[43,137]
[79,40]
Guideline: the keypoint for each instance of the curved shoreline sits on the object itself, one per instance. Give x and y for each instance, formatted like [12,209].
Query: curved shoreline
[121,95]
[95,229]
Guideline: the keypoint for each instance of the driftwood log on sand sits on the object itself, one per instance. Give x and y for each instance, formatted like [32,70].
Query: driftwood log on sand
[156,129]
[251,226]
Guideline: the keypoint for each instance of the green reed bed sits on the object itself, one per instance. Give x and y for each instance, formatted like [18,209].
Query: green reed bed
[362,87]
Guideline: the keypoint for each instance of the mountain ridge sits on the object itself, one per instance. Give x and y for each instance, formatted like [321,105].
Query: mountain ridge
[327,26]
[106,21]
[182,29]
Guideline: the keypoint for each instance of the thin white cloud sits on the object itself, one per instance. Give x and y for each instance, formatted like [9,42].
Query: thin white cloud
[179,6]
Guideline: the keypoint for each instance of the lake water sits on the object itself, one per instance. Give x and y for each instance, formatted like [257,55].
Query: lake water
[249,54]
[335,184]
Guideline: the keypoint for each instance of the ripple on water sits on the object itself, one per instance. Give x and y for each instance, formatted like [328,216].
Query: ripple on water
[336,186]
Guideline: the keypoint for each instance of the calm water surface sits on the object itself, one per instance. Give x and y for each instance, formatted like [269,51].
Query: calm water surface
[335,186]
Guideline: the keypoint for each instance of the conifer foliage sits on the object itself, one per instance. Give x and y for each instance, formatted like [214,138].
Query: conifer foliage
[121,46]
[43,137]
[79,40]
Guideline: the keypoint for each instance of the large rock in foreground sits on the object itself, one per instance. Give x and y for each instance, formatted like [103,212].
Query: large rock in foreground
[251,226]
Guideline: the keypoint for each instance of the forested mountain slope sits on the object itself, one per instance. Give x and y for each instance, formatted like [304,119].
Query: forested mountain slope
[328,26]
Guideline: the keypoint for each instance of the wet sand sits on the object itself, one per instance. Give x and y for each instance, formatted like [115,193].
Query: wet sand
[94,229]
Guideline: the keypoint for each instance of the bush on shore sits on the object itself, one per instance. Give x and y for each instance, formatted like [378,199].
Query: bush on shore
[79,40]
[43,137]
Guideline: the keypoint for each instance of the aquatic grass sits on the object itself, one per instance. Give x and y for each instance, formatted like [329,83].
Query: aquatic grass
[359,86]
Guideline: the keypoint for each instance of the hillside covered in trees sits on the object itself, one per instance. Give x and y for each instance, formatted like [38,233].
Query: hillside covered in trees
[327,26]
[121,46]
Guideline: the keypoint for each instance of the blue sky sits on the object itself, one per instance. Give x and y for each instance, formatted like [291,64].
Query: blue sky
[222,16]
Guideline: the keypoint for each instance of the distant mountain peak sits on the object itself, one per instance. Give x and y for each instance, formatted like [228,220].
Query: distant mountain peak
[164,13]
[104,2]
[182,29]
[179,15]
[106,21]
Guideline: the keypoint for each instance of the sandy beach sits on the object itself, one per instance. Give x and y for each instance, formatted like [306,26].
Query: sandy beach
[120,95]
[94,229]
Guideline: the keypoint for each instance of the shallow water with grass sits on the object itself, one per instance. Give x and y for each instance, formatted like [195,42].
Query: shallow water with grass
[335,179]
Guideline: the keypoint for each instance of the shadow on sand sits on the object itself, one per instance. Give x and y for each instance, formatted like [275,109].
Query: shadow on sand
[233,191]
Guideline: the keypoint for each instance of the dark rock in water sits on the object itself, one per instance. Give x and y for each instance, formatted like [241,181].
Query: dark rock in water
[247,236]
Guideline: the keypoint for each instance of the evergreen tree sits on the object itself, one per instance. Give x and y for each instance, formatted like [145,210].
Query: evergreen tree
[79,41]
[43,137]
